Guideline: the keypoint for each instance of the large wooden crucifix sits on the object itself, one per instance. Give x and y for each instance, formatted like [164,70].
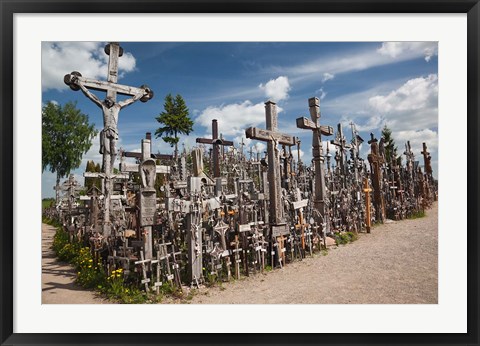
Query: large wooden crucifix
[273,138]
[110,108]
[318,130]
[216,142]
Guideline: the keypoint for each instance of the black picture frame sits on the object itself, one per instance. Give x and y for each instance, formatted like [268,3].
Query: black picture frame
[9,7]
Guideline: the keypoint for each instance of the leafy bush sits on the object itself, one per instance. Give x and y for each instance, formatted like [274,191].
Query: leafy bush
[345,238]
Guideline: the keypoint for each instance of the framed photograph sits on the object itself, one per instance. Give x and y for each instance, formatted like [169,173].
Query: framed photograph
[369,66]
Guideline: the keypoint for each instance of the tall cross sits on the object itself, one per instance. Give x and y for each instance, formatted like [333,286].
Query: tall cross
[427,161]
[376,160]
[317,130]
[216,142]
[342,145]
[410,162]
[356,141]
[111,109]
[273,138]
[368,217]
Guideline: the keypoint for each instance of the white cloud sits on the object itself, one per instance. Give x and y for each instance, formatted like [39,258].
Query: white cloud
[259,147]
[233,118]
[295,153]
[416,138]
[413,95]
[365,123]
[327,76]
[412,106]
[322,93]
[89,58]
[357,60]
[397,49]
[276,89]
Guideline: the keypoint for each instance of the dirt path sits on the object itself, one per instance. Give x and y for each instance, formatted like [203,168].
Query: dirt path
[58,286]
[395,264]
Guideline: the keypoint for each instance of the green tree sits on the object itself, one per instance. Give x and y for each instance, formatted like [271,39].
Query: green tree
[389,142]
[66,136]
[175,120]
[89,182]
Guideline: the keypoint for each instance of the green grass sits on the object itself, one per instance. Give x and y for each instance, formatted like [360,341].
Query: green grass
[345,238]
[417,215]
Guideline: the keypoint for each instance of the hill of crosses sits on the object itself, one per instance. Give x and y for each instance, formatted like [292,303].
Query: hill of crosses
[214,212]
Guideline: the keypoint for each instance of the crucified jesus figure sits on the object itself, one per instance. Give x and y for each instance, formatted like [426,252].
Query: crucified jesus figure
[110,108]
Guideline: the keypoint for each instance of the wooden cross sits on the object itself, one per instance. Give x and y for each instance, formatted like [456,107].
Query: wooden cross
[410,158]
[164,256]
[368,217]
[279,246]
[342,145]
[144,261]
[236,251]
[301,225]
[176,267]
[221,228]
[144,155]
[273,138]
[217,143]
[376,160]
[147,169]
[427,160]
[317,132]
[110,108]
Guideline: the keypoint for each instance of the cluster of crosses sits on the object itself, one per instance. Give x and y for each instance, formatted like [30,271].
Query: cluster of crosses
[216,212]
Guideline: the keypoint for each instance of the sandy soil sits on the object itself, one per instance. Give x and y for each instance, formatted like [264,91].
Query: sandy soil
[58,279]
[395,264]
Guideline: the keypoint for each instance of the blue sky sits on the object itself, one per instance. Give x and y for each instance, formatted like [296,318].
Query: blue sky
[369,83]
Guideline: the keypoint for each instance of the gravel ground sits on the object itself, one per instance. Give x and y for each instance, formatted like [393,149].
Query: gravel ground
[58,278]
[395,264]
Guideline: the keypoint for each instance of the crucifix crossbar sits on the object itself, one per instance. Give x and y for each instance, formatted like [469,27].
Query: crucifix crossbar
[104,86]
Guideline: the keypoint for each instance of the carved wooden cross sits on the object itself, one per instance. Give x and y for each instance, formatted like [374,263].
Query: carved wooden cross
[273,138]
[368,217]
[341,143]
[376,160]
[216,142]
[111,109]
[144,155]
[110,106]
[147,169]
[318,131]
[427,161]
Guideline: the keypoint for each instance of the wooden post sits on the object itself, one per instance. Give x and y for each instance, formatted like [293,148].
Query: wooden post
[368,217]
